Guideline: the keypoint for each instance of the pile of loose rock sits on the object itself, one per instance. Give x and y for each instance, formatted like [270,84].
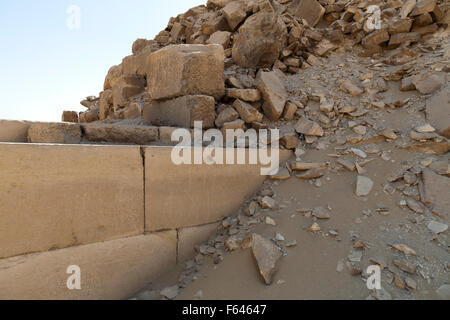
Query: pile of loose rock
[223,63]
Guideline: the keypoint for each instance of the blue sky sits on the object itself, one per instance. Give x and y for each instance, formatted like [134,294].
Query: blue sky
[46,67]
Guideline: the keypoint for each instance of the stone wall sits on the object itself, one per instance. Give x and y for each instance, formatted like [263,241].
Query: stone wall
[124,214]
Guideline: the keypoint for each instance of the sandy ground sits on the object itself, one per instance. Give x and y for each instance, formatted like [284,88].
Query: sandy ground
[316,267]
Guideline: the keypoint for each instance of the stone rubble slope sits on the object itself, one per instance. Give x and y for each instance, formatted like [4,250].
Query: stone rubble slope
[225,63]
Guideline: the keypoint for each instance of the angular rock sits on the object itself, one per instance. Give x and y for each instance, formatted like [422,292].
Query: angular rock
[235,13]
[400,38]
[259,40]
[423,6]
[435,192]
[267,256]
[137,63]
[438,112]
[228,114]
[126,86]
[399,26]
[273,93]
[60,133]
[350,88]
[220,37]
[106,104]
[234,125]
[430,82]
[113,75]
[181,112]
[375,38]
[247,112]
[180,70]
[310,10]
[127,134]
[70,116]
[309,128]
[364,186]
[437,227]
[249,95]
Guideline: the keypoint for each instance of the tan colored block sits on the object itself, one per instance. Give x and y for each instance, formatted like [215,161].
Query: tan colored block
[13,131]
[180,70]
[188,238]
[54,132]
[56,196]
[181,112]
[109,270]
[192,195]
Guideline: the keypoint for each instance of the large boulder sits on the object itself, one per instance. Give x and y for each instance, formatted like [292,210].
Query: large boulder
[136,63]
[180,70]
[260,40]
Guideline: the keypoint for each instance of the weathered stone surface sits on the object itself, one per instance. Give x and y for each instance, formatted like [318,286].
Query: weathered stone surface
[407,7]
[180,70]
[220,37]
[181,112]
[235,13]
[273,92]
[247,112]
[136,64]
[127,86]
[110,270]
[69,116]
[259,40]
[106,104]
[349,87]
[128,134]
[267,256]
[249,95]
[13,131]
[310,10]
[399,38]
[423,6]
[437,227]
[375,38]
[228,114]
[309,128]
[435,192]
[399,26]
[113,75]
[429,82]
[214,4]
[85,181]
[438,112]
[140,44]
[47,132]
[234,125]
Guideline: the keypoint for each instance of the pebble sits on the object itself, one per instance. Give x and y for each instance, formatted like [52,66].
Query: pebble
[170,292]
[270,221]
[437,227]
[364,186]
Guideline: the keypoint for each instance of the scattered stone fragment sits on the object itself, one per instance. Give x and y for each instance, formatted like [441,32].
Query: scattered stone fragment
[429,83]
[311,174]
[267,203]
[364,186]
[267,256]
[309,128]
[270,221]
[283,174]
[444,291]
[404,248]
[314,228]
[350,88]
[273,92]
[410,283]
[170,292]
[354,268]
[359,153]
[321,213]
[406,266]
[437,227]
[416,206]
[279,237]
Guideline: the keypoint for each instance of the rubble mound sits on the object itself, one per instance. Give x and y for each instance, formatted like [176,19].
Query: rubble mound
[223,63]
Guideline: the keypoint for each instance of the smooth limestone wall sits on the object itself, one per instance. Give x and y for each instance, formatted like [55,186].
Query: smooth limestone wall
[123,214]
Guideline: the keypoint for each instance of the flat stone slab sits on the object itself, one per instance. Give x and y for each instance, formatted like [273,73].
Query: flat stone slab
[128,134]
